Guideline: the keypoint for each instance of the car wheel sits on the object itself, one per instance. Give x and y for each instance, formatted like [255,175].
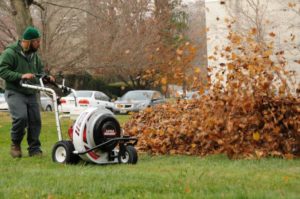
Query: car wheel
[48,108]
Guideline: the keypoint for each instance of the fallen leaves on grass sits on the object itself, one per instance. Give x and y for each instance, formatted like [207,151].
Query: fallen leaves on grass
[214,125]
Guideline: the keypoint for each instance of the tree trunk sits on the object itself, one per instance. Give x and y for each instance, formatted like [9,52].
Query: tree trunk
[22,16]
[162,8]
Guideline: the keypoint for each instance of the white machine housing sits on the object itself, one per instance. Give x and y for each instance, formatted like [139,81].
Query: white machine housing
[83,135]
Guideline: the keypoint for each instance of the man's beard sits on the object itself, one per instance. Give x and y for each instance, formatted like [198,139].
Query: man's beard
[32,49]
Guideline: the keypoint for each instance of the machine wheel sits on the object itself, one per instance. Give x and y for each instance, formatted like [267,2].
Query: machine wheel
[130,156]
[62,152]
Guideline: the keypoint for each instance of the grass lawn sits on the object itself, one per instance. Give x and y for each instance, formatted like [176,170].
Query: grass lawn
[152,177]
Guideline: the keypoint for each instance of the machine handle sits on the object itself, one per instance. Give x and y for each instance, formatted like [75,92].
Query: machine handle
[45,78]
[124,139]
[23,81]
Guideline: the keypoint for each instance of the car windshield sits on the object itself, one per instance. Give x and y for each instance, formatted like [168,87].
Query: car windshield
[81,94]
[137,95]
[192,95]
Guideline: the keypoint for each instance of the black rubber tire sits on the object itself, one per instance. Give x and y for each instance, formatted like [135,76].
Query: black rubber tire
[48,108]
[62,152]
[131,156]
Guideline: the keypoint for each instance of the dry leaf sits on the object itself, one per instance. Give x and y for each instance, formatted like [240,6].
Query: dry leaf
[187,189]
[197,70]
[164,81]
[256,136]
[272,34]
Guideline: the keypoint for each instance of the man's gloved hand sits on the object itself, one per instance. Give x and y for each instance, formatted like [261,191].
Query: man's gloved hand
[48,79]
[28,76]
[52,79]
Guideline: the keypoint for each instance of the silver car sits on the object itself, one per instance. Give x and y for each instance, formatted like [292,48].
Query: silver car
[3,104]
[46,102]
[136,100]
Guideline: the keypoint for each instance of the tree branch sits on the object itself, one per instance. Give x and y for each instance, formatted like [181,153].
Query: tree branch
[38,4]
[72,7]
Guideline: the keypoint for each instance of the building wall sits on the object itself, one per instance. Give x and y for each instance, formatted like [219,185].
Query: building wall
[279,19]
[217,32]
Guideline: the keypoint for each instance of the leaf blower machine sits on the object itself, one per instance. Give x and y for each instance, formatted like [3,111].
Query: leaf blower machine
[96,135]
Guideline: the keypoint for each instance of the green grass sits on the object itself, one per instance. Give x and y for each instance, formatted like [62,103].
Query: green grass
[153,177]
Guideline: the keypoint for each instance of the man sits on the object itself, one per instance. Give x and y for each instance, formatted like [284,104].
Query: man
[19,61]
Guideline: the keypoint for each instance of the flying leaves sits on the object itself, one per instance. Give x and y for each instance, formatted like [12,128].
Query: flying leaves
[250,111]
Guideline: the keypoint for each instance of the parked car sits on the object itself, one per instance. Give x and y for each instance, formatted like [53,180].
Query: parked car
[195,94]
[134,101]
[3,104]
[192,95]
[85,98]
[46,102]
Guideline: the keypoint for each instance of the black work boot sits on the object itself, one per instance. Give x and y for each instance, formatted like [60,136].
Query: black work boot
[15,151]
[37,153]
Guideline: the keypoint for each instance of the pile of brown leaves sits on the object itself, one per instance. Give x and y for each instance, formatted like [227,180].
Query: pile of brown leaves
[240,128]
[251,111]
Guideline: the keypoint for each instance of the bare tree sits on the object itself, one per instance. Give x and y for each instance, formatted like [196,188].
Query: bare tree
[119,40]
[21,13]
[250,14]
[126,35]
[7,26]
[64,36]
[122,40]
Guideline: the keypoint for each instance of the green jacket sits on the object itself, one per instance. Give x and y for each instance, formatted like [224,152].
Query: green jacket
[14,63]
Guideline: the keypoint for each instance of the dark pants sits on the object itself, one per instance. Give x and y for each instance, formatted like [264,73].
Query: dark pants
[25,112]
